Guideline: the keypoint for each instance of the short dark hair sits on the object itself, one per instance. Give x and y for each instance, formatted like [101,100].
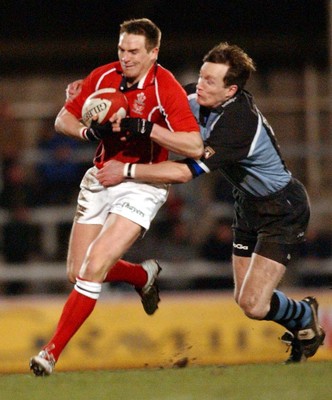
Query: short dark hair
[240,64]
[144,27]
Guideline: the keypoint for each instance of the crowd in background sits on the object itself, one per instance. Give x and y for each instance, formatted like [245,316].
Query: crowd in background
[179,233]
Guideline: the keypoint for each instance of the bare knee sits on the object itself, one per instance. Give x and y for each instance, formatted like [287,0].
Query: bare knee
[89,270]
[96,264]
[73,270]
[252,308]
[72,274]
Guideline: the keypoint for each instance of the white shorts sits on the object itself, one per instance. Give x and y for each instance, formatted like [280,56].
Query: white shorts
[139,202]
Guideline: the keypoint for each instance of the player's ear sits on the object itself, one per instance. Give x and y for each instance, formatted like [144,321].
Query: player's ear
[155,52]
[232,89]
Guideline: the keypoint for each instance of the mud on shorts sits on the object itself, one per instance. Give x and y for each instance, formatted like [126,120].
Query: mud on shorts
[136,201]
[271,226]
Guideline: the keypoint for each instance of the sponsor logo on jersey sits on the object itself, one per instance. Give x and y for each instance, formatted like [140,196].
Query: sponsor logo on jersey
[208,152]
[139,103]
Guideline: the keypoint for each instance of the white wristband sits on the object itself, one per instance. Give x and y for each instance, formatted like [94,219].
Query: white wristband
[129,170]
[83,133]
[125,170]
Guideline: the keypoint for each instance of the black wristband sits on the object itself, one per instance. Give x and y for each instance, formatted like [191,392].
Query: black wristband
[129,171]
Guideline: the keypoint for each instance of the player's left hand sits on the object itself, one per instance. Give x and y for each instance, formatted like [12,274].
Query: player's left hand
[111,173]
[134,127]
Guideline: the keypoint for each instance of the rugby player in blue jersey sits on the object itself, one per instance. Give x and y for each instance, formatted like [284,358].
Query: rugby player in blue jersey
[271,207]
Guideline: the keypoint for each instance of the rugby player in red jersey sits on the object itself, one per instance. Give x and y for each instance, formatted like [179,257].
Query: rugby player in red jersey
[109,220]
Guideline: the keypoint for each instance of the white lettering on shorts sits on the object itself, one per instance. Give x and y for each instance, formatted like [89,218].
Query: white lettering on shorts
[240,246]
[133,209]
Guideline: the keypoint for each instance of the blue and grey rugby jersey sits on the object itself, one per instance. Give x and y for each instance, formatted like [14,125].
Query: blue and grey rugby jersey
[241,144]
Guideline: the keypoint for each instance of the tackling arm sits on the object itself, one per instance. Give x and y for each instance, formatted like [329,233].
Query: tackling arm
[164,172]
[115,172]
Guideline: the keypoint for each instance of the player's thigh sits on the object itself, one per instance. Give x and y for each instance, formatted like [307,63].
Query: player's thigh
[116,237]
[82,235]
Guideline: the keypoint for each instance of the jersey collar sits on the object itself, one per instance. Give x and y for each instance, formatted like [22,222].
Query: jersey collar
[146,80]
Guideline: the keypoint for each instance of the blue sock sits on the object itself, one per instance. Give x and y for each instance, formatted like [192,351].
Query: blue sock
[291,314]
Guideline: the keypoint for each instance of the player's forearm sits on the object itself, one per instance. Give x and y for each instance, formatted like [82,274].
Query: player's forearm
[188,144]
[164,172]
[67,124]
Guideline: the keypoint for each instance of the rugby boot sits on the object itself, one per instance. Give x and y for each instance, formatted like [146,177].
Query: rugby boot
[306,341]
[296,354]
[149,293]
[42,364]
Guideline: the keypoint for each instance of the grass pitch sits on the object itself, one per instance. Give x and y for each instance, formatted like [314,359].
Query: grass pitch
[308,381]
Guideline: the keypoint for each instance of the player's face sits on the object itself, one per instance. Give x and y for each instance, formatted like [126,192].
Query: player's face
[210,89]
[134,57]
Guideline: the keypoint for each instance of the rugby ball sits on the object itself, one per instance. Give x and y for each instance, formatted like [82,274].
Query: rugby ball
[104,103]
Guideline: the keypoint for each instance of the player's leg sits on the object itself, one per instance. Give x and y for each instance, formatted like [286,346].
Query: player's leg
[258,285]
[92,211]
[115,238]
[81,236]
[240,268]
[141,276]
[279,223]
[260,299]
[151,198]
[120,230]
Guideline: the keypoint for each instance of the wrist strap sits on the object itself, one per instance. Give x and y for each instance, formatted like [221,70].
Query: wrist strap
[83,133]
[88,134]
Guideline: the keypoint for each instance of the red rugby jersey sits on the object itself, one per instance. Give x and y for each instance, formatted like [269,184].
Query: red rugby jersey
[158,97]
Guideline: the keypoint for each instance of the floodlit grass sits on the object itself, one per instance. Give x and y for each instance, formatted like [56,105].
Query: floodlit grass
[308,381]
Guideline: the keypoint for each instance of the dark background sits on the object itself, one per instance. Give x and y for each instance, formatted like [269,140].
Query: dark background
[74,36]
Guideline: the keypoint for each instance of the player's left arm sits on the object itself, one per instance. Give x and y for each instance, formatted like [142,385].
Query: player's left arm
[185,143]
[182,134]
